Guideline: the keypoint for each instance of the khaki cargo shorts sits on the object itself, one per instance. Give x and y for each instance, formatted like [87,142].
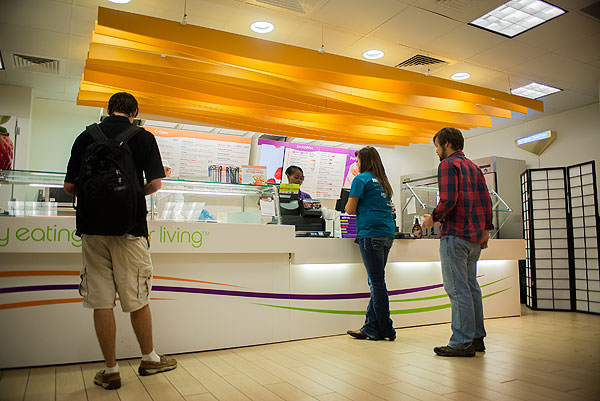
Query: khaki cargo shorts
[114,265]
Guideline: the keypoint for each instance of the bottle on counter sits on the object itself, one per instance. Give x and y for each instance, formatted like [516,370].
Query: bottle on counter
[417,231]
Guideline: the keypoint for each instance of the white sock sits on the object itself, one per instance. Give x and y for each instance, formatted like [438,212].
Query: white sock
[114,369]
[153,357]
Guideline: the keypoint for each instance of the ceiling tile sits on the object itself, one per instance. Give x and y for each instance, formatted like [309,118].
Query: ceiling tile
[39,14]
[415,27]
[362,16]
[478,73]
[336,40]
[41,82]
[506,54]
[560,32]
[82,23]
[460,10]
[75,69]
[584,50]
[285,24]
[571,4]
[560,72]
[211,13]
[393,53]
[567,100]
[79,47]
[72,86]
[464,42]
[34,42]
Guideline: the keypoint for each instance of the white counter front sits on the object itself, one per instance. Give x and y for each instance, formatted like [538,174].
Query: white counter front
[240,285]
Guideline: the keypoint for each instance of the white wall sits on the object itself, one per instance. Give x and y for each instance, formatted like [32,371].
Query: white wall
[578,140]
[54,126]
[15,101]
[405,160]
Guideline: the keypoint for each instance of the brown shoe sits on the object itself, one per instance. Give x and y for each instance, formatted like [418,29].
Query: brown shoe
[149,368]
[109,381]
[357,334]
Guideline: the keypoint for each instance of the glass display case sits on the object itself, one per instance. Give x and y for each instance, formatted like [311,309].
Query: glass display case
[185,200]
[40,193]
[419,200]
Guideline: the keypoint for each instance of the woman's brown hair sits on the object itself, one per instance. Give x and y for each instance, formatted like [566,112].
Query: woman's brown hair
[371,162]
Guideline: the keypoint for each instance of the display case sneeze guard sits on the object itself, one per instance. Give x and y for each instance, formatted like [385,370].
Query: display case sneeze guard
[39,193]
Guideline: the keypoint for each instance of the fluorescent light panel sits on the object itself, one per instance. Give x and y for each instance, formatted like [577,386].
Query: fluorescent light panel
[1,62]
[517,16]
[533,138]
[534,90]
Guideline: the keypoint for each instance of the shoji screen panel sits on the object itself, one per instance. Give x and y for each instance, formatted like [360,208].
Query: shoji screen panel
[548,239]
[530,299]
[584,211]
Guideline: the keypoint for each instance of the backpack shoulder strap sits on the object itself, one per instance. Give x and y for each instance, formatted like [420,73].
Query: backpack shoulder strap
[128,133]
[95,131]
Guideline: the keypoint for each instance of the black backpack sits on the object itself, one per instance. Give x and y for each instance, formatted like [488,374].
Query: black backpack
[109,199]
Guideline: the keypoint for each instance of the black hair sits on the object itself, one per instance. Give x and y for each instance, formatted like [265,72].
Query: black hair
[450,135]
[292,169]
[123,102]
[371,162]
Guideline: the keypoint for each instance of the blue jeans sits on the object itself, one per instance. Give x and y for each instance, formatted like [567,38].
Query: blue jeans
[374,252]
[459,270]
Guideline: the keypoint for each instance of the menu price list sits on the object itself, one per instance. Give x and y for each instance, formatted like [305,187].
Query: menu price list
[348,226]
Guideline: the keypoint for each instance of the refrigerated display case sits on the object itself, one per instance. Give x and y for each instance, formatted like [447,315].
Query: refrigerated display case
[501,175]
[424,199]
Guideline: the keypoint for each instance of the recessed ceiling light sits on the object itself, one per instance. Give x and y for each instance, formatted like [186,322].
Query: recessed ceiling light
[373,54]
[262,26]
[517,16]
[535,90]
[1,62]
[120,1]
[459,76]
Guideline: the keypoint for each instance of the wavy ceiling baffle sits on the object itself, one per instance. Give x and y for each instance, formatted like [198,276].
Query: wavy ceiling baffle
[234,81]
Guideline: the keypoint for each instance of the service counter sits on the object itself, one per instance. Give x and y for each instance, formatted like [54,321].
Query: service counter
[223,285]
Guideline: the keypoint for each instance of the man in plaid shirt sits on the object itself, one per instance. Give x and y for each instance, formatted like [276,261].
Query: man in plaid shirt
[465,213]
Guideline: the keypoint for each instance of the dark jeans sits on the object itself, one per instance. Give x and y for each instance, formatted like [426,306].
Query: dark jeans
[374,252]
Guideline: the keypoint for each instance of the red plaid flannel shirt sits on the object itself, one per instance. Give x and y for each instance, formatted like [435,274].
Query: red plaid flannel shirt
[465,207]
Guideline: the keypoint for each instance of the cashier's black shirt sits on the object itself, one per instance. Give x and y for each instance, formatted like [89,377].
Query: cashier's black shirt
[146,157]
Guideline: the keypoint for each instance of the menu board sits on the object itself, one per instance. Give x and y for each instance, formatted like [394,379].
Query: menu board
[190,153]
[326,169]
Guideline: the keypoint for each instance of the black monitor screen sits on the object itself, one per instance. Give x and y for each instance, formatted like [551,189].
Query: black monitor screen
[59,195]
[340,205]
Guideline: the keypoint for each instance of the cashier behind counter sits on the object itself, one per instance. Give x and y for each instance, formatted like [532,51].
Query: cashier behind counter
[304,214]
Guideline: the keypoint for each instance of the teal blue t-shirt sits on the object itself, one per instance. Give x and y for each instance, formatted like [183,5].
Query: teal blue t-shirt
[374,210]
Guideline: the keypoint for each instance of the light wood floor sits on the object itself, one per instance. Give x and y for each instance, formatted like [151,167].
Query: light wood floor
[542,356]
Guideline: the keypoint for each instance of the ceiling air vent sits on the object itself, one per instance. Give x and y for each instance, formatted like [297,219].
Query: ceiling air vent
[418,60]
[300,7]
[592,10]
[292,5]
[35,64]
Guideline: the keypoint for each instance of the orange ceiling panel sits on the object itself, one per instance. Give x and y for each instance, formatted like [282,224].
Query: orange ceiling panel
[235,81]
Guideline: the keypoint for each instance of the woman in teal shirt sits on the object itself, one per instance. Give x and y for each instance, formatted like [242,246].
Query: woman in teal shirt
[370,200]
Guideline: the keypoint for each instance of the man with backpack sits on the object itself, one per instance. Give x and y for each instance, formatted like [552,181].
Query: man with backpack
[106,174]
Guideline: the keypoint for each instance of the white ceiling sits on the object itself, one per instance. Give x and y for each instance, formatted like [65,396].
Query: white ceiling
[564,52]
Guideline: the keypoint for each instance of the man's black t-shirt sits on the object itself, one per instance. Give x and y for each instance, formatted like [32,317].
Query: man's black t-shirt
[146,157]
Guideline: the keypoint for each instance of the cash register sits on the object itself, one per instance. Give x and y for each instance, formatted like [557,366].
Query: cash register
[303,214]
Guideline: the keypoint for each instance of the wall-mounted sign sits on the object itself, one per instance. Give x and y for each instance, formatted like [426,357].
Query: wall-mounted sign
[536,143]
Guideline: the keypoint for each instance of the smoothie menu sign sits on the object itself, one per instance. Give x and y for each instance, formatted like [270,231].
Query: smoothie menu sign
[326,169]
